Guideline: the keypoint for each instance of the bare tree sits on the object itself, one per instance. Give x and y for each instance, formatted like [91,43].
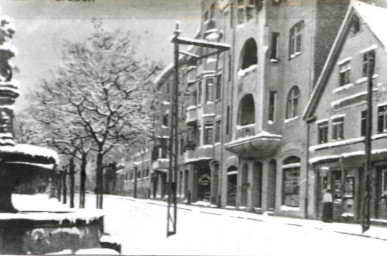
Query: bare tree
[98,96]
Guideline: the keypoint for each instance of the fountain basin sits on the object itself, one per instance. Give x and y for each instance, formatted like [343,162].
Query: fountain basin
[42,232]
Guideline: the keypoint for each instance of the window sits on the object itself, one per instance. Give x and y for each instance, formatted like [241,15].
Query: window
[275,2]
[345,72]
[366,62]
[198,130]
[295,44]
[206,16]
[246,110]
[291,183]
[322,132]
[250,9]
[165,119]
[199,95]
[218,87]
[363,122]
[209,89]
[355,26]
[208,129]
[212,11]
[292,103]
[249,54]
[181,146]
[240,11]
[191,138]
[338,128]
[274,46]
[217,131]
[382,119]
[229,67]
[272,102]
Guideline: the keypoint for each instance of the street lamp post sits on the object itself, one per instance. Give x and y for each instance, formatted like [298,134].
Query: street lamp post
[174,121]
[368,147]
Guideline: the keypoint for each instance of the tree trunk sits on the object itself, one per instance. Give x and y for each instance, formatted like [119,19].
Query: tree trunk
[72,181]
[99,180]
[59,185]
[82,185]
[64,176]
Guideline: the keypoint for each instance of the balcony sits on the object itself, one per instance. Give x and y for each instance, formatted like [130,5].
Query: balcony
[251,144]
[198,155]
[161,163]
[191,114]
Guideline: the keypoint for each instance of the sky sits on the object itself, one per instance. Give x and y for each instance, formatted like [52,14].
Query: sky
[42,25]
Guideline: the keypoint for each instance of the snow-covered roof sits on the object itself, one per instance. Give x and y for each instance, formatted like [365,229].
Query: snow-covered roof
[30,150]
[375,18]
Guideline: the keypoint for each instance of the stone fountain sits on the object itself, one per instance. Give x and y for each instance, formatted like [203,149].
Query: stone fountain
[33,232]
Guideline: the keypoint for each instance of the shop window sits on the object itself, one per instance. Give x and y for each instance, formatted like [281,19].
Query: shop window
[382,119]
[336,184]
[383,182]
[208,133]
[246,110]
[249,54]
[322,132]
[240,12]
[274,47]
[272,103]
[292,102]
[291,181]
[295,40]
[217,130]
[344,73]
[218,87]
[209,90]
[338,128]
[349,185]
[366,61]
[363,122]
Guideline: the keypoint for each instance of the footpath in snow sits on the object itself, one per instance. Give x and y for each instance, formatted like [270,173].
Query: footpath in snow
[375,232]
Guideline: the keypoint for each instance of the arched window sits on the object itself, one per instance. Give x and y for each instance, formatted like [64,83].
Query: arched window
[292,102]
[246,110]
[291,181]
[249,54]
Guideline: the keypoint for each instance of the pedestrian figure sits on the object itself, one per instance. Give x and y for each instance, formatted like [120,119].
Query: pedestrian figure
[327,214]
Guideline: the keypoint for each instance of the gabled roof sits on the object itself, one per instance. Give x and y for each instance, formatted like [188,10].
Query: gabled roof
[376,19]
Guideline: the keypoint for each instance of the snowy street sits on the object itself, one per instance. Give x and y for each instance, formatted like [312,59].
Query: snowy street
[140,225]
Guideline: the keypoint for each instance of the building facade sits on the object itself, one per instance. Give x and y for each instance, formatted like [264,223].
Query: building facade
[243,143]
[337,114]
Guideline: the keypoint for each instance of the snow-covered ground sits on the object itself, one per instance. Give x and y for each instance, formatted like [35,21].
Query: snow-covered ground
[140,225]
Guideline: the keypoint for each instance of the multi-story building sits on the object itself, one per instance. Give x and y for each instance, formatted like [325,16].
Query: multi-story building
[242,140]
[337,113]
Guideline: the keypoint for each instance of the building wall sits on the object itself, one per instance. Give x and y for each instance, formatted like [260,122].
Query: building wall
[347,155]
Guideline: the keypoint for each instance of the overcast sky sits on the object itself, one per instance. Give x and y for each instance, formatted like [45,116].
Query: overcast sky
[41,26]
